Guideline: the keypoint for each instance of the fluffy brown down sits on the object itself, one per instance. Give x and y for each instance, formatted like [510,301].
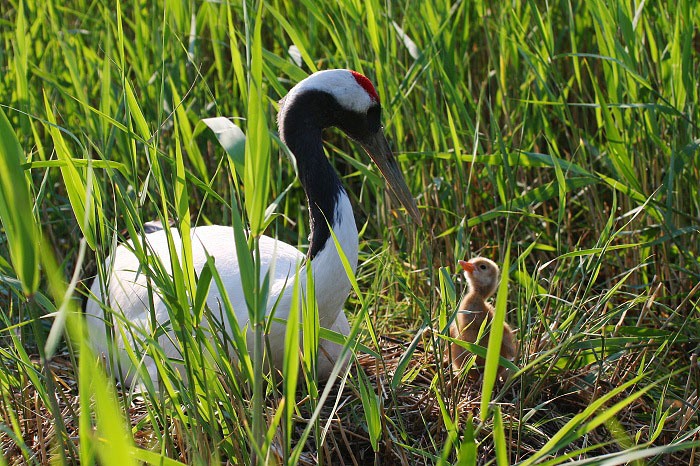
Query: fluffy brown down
[482,277]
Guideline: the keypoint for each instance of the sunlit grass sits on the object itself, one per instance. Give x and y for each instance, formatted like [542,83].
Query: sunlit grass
[563,133]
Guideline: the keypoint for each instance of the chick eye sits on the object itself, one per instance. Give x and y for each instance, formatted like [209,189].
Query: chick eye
[482,267]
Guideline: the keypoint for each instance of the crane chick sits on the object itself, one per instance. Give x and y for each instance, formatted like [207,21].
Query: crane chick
[482,277]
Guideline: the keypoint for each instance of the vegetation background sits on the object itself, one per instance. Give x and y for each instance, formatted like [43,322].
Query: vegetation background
[558,138]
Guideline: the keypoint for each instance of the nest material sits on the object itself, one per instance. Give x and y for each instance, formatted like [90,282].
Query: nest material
[412,417]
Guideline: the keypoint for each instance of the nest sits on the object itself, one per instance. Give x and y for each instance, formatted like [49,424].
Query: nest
[413,415]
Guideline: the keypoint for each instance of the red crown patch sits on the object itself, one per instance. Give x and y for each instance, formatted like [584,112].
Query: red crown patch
[366,85]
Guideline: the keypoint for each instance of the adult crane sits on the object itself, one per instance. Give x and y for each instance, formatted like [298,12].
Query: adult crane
[333,98]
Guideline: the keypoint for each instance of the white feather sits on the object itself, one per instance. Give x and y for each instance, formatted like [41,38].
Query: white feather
[128,288]
[339,83]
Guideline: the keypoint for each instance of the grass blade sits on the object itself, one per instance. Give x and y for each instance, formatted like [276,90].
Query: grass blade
[493,353]
[16,209]
[74,181]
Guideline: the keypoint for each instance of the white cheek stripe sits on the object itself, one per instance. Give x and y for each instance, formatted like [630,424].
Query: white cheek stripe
[341,84]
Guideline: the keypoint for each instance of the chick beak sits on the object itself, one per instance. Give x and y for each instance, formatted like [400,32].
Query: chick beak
[467,266]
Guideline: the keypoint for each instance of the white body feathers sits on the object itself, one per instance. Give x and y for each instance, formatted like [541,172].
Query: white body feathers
[128,289]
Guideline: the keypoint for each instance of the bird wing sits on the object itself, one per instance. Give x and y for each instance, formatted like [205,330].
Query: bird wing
[129,281]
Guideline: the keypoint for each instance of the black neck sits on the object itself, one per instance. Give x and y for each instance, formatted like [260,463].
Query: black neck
[301,122]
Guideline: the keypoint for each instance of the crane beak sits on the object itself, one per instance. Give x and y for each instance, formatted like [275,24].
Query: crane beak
[467,266]
[378,149]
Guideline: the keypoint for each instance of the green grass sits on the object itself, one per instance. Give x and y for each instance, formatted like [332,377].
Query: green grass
[563,132]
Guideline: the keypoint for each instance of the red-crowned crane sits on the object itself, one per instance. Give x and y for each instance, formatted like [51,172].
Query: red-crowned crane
[341,98]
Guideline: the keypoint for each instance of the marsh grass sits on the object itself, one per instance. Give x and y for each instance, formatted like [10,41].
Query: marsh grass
[559,138]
